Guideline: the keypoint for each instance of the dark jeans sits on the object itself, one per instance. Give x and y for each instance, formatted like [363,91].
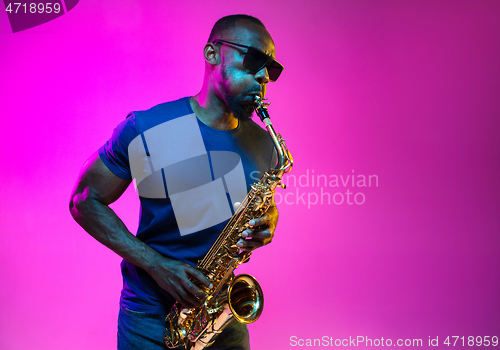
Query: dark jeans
[142,331]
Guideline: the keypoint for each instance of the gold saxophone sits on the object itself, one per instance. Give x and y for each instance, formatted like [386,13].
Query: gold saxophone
[240,297]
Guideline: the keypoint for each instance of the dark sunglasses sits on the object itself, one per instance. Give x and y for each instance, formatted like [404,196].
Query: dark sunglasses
[255,60]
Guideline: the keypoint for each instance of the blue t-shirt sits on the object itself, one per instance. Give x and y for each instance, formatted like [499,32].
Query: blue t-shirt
[188,176]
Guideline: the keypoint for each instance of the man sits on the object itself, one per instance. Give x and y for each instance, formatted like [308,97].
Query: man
[191,160]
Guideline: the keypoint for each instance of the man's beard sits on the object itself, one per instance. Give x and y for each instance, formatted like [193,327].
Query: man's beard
[242,111]
[239,110]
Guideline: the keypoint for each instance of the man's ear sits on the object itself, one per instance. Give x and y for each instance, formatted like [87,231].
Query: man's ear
[212,54]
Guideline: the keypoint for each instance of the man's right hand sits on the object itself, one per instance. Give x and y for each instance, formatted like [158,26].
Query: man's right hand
[176,277]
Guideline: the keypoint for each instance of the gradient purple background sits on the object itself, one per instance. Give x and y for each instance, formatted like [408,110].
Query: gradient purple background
[407,91]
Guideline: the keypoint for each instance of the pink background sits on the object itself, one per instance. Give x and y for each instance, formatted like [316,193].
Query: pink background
[405,90]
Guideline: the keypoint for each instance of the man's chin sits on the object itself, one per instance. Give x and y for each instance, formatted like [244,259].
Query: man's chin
[245,113]
[242,109]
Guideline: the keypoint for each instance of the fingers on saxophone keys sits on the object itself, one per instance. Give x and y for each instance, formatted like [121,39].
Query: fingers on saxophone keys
[248,235]
[200,277]
[251,244]
[194,290]
[241,243]
[189,300]
[263,220]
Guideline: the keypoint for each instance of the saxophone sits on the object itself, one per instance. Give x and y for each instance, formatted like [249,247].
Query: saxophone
[230,296]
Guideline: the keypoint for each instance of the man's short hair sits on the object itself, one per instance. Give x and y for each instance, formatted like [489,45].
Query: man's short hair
[228,22]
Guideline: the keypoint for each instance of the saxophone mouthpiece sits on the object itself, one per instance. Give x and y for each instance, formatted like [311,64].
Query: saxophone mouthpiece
[261,108]
[260,100]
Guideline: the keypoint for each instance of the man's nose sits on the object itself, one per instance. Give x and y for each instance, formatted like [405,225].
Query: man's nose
[262,76]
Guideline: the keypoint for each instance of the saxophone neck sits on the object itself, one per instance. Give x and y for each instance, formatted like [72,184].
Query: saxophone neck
[285,160]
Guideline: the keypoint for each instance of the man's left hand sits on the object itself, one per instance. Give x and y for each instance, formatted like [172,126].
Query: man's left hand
[260,232]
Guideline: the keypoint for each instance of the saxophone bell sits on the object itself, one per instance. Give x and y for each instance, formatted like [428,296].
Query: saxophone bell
[245,298]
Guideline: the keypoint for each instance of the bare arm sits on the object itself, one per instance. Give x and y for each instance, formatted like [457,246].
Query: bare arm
[96,188]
